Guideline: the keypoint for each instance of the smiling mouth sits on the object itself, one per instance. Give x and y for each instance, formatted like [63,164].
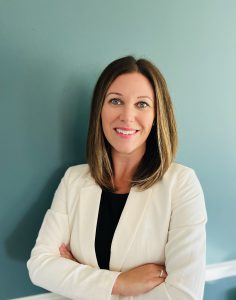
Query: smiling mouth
[126,132]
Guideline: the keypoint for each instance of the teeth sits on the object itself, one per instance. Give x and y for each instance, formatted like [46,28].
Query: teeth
[127,132]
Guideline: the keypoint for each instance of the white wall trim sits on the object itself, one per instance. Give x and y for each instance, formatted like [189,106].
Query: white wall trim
[45,296]
[220,270]
[213,272]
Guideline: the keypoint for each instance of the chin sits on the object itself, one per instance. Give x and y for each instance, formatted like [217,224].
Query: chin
[129,150]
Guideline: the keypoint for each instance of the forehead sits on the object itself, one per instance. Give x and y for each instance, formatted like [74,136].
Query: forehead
[132,83]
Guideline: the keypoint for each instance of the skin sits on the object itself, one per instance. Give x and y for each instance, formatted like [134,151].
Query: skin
[129,106]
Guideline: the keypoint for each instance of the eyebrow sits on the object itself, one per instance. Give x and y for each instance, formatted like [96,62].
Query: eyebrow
[145,97]
[119,94]
[114,93]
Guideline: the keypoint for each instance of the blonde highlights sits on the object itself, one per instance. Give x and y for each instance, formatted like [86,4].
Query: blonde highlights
[161,143]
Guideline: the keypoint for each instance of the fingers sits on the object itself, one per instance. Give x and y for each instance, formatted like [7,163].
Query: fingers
[139,280]
[65,252]
[162,273]
[63,249]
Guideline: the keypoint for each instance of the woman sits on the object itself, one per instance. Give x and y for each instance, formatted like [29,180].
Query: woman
[131,223]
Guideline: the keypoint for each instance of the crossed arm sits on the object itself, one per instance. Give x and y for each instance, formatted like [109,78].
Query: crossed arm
[136,281]
[184,255]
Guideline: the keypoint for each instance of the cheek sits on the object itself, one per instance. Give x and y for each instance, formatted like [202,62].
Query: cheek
[148,120]
[108,116]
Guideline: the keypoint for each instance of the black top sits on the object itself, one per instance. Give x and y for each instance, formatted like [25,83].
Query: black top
[111,207]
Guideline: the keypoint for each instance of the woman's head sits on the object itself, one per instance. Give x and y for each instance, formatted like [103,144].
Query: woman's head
[162,140]
[127,115]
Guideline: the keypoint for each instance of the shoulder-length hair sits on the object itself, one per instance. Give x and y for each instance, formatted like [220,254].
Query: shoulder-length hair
[161,143]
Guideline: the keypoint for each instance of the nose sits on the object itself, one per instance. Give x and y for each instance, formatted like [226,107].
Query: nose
[127,114]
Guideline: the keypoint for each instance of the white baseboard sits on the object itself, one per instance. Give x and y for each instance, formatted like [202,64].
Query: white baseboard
[220,270]
[45,296]
[213,272]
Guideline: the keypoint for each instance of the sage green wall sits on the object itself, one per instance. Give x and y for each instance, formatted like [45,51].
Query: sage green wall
[51,53]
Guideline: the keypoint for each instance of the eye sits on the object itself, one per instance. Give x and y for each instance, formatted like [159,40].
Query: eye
[142,104]
[115,101]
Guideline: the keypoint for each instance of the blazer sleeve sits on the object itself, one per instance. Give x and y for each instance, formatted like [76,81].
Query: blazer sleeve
[50,271]
[185,249]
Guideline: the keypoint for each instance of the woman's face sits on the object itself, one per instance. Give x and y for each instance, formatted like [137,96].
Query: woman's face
[128,113]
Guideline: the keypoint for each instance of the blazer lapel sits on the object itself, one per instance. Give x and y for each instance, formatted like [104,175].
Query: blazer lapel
[88,213]
[127,227]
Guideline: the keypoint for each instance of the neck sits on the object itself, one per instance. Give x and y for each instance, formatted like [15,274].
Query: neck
[124,166]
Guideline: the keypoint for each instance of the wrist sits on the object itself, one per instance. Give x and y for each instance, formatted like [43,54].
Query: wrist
[116,290]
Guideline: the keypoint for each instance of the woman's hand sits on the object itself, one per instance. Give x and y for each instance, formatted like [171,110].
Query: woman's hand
[136,281]
[139,280]
[66,253]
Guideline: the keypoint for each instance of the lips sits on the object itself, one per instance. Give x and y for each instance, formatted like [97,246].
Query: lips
[126,131]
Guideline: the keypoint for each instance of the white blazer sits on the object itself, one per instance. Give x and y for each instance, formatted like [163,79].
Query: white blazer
[164,224]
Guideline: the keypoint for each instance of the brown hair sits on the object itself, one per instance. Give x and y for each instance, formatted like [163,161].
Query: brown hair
[161,142]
